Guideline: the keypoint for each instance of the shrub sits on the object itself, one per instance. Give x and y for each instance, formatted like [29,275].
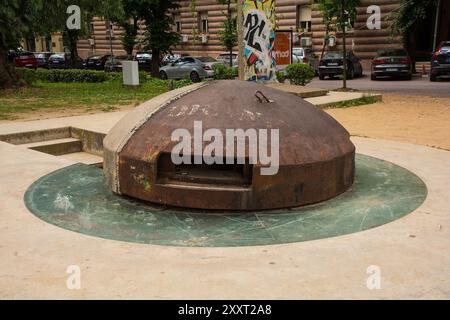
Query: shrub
[299,73]
[223,72]
[281,77]
[26,76]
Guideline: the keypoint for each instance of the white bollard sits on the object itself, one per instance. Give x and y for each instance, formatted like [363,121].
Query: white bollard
[130,71]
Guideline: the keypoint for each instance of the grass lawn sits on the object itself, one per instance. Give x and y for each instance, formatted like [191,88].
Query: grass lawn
[89,97]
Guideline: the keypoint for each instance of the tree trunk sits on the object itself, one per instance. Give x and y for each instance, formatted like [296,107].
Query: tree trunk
[8,76]
[344,39]
[155,62]
[230,50]
[327,32]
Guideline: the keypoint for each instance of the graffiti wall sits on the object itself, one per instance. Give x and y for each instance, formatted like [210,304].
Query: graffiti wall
[259,40]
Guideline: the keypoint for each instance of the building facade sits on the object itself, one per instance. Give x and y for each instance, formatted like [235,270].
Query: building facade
[199,26]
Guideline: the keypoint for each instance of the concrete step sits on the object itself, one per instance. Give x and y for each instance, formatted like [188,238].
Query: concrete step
[56,147]
[83,157]
[26,137]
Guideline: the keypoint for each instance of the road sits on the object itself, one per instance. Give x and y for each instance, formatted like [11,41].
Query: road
[417,86]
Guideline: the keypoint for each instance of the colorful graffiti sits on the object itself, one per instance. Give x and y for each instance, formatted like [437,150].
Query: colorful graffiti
[259,40]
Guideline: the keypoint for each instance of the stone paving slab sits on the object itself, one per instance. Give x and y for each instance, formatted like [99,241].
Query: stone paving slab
[412,253]
[334,97]
[301,91]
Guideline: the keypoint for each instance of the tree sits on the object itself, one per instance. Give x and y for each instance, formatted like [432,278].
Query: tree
[159,37]
[327,8]
[343,13]
[20,19]
[228,35]
[17,20]
[128,21]
[408,14]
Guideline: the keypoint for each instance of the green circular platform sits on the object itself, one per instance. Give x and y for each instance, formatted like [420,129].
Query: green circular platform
[76,198]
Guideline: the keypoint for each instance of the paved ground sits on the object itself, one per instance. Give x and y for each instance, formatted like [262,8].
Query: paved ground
[411,253]
[418,86]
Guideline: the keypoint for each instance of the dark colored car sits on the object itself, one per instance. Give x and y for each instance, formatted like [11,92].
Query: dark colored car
[97,62]
[392,63]
[25,59]
[332,65]
[114,64]
[144,60]
[42,58]
[63,61]
[440,62]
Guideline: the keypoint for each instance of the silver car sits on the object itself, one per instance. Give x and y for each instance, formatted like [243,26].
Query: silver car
[224,58]
[305,55]
[186,68]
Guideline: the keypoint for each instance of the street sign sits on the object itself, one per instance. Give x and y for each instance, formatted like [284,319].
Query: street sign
[283,48]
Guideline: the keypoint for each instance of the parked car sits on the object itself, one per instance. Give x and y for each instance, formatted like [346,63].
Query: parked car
[63,61]
[332,65]
[144,60]
[171,58]
[25,59]
[305,55]
[208,64]
[42,58]
[392,63]
[440,62]
[187,67]
[114,63]
[97,62]
[224,58]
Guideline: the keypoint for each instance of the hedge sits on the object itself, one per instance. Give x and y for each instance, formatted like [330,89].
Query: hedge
[28,76]
[65,75]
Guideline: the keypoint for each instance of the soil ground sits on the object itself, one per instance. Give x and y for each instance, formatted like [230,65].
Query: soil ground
[412,119]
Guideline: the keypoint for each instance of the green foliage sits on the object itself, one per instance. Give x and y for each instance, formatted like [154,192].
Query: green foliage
[228,35]
[20,19]
[281,77]
[29,76]
[300,73]
[408,15]
[340,14]
[365,100]
[223,72]
[158,37]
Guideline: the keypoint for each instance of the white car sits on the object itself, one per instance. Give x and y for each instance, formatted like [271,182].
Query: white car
[224,58]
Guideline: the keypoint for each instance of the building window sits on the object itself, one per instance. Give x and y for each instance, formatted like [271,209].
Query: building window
[92,28]
[177,25]
[304,18]
[203,22]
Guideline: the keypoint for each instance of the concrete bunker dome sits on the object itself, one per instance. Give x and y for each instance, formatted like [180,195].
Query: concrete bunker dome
[316,156]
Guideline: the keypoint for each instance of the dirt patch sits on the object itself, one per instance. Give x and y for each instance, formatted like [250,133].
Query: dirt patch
[417,120]
[43,114]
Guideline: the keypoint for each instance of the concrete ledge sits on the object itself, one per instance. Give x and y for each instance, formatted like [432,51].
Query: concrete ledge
[302,92]
[334,98]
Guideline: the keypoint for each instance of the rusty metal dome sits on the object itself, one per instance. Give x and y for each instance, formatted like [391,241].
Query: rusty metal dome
[316,156]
